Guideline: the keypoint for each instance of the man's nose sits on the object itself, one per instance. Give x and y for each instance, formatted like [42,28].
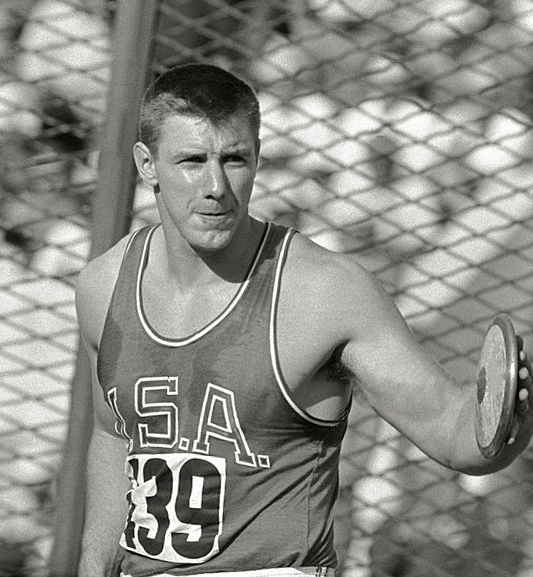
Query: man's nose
[216,180]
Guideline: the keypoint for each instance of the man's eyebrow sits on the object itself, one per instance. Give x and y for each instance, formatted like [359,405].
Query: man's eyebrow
[238,149]
[186,152]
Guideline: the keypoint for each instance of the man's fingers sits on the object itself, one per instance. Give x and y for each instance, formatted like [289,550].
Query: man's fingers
[520,342]
[525,384]
[523,397]
[513,432]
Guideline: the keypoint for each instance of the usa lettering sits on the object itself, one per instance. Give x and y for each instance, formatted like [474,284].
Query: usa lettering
[158,420]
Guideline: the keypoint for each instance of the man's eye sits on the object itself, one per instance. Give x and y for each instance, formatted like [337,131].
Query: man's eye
[235,159]
[193,159]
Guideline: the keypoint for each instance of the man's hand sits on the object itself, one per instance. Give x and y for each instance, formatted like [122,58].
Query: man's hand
[524,398]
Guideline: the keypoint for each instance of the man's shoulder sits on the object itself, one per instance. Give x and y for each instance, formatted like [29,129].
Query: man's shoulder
[322,269]
[327,296]
[94,289]
[105,267]
[331,295]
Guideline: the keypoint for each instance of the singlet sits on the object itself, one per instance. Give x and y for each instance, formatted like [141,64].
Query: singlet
[227,472]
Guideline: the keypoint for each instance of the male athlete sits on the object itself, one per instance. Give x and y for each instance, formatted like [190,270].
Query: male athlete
[225,351]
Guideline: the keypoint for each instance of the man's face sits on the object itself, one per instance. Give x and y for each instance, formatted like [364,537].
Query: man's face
[205,175]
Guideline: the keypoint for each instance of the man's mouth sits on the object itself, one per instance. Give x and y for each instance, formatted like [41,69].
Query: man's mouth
[212,214]
[215,218]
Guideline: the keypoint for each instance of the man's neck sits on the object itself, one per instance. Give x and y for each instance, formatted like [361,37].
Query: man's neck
[189,268]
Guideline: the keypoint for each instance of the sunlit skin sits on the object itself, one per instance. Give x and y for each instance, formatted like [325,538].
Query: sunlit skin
[203,175]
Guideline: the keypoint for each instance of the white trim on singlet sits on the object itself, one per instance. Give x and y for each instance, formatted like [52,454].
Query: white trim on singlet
[181,342]
[273,344]
[130,241]
[275,572]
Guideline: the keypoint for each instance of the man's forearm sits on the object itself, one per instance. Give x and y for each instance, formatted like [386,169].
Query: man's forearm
[98,559]
[106,506]
[468,457]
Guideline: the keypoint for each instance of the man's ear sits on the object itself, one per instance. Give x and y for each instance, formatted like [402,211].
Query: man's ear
[145,164]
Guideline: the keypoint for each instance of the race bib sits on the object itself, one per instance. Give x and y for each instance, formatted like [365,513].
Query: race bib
[176,506]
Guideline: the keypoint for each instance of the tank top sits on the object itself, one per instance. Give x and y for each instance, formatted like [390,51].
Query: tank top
[227,472]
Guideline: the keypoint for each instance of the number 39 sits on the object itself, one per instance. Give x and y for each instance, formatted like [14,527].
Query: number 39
[176,506]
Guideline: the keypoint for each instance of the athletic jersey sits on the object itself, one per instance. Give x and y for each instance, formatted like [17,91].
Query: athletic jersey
[227,472]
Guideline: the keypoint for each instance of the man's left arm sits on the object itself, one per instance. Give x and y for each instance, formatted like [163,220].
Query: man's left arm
[409,389]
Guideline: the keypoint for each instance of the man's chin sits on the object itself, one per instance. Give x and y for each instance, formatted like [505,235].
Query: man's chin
[213,240]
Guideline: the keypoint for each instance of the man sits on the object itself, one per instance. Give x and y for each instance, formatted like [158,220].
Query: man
[225,351]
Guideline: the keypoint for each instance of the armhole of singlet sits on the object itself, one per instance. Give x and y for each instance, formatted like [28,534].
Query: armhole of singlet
[274,355]
[129,244]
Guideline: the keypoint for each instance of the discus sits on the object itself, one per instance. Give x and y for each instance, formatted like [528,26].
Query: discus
[497,377]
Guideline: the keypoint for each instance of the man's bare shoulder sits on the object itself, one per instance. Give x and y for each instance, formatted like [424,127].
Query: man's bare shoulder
[103,269]
[94,289]
[332,292]
[321,269]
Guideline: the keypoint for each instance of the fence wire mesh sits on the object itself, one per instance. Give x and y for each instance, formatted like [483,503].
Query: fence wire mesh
[398,131]
[54,69]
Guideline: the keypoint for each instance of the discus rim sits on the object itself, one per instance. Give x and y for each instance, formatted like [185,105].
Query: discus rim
[489,449]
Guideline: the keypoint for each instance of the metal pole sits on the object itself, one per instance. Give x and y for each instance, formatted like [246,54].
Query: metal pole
[133,39]
[136,21]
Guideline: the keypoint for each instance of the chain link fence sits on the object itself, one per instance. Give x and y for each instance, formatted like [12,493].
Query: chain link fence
[398,131]
[54,71]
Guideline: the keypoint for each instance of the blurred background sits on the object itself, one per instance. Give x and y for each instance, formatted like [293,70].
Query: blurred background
[399,131]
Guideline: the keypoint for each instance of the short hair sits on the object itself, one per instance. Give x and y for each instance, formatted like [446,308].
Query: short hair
[202,90]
